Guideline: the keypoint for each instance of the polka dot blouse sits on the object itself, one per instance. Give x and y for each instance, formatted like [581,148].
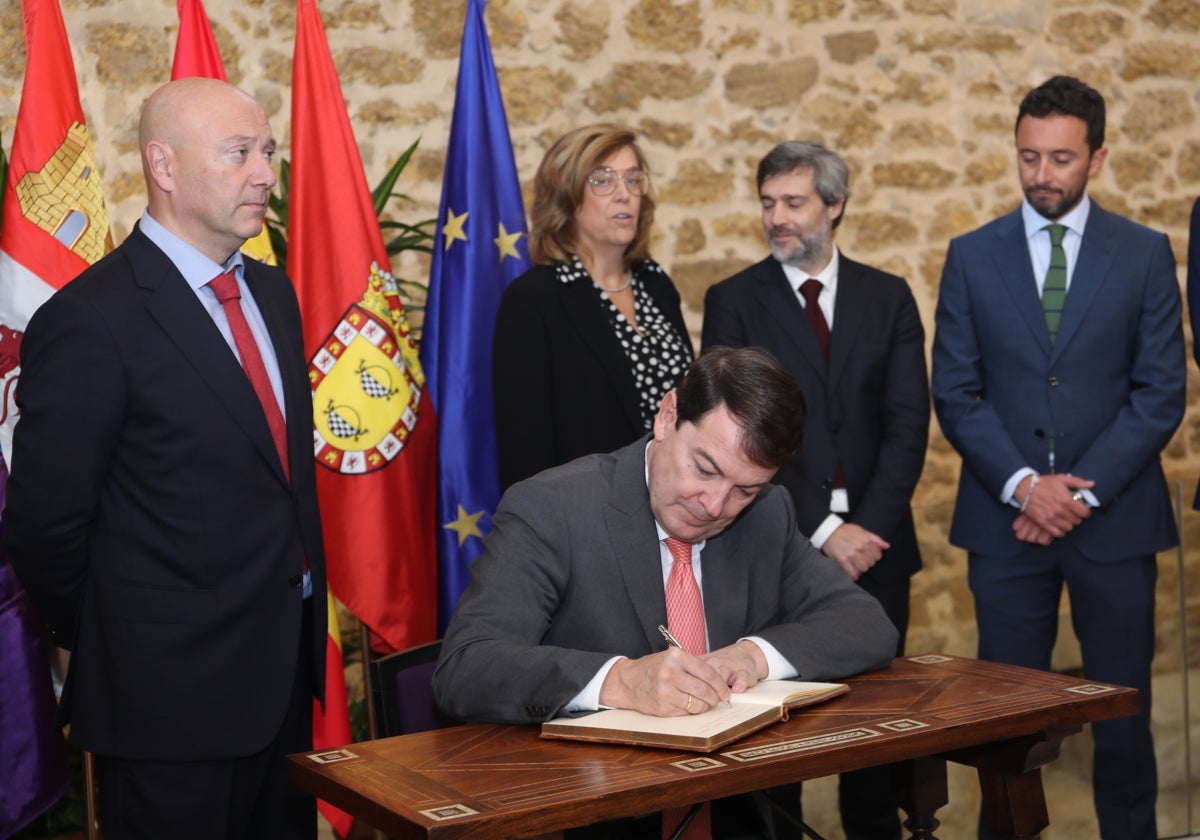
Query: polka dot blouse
[658,355]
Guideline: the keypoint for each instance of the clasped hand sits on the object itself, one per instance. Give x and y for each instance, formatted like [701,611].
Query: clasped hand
[1052,511]
[674,683]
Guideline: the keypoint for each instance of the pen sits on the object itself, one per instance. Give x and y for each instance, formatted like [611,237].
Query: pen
[673,642]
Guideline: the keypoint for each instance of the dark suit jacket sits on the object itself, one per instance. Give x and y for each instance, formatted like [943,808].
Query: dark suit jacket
[868,408]
[1193,294]
[561,384]
[149,517]
[571,576]
[1111,387]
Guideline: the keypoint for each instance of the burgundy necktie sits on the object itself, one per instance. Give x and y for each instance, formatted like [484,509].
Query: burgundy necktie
[226,288]
[685,618]
[810,289]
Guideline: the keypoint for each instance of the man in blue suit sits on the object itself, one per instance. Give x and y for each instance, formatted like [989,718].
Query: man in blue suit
[1058,375]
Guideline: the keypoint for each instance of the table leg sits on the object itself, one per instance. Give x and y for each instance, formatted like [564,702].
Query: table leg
[1010,781]
[919,787]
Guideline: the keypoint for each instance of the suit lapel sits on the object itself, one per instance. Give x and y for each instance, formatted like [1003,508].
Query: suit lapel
[1096,254]
[583,308]
[174,306]
[635,543]
[292,372]
[1015,271]
[848,314]
[726,586]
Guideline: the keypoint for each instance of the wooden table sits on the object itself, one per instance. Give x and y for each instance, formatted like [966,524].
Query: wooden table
[489,781]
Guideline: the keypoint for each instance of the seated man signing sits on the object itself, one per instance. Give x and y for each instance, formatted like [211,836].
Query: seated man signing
[564,605]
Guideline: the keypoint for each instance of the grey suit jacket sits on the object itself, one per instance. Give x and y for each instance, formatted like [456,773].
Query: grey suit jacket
[570,576]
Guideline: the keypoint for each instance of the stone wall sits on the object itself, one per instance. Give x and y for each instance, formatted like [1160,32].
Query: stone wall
[918,95]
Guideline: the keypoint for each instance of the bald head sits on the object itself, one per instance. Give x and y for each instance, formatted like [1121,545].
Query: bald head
[206,154]
[173,110]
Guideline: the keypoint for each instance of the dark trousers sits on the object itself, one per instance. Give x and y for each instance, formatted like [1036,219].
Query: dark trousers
[1112,613]
[244,798]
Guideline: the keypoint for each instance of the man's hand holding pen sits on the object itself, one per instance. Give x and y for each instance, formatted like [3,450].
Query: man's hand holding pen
[667,684]
[673,682]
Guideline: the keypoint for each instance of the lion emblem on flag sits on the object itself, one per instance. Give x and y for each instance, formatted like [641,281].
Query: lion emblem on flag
[366,382]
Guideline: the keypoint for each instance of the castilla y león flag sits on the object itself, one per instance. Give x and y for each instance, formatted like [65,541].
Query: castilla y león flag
[54,225]
[375,432]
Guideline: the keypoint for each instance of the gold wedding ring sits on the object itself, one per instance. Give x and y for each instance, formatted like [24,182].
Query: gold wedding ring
[688,707]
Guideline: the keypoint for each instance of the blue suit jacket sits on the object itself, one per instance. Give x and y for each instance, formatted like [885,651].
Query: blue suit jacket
[1193,292]
[1111,387]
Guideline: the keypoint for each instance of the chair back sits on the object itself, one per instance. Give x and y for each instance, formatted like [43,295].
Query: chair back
[402,685]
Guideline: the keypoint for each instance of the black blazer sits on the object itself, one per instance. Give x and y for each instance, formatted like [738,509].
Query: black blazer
[868,409]
[562,386]
[149,517]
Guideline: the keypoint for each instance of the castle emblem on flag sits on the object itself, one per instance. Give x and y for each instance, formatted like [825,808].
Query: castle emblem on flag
[63,197]
[366,382]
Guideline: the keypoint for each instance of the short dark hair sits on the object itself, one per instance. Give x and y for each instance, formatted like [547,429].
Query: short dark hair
[764,399]
[1068,96]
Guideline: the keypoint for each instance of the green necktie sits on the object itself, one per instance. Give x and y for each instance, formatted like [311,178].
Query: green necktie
[1054,290]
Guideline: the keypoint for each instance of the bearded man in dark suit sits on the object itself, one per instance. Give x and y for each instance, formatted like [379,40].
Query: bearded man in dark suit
[852,337]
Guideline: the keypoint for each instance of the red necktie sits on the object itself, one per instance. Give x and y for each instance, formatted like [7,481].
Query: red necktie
[685,609]
[226,288]
[810,289]
[685,618]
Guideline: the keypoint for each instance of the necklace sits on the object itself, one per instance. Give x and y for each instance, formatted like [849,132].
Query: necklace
[615,289]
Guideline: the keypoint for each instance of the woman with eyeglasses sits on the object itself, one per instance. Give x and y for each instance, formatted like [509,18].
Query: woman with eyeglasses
[591,338]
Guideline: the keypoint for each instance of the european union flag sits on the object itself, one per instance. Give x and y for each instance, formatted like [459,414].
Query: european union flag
[479,248]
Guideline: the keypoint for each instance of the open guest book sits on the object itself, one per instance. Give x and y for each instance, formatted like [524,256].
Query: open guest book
[767,702]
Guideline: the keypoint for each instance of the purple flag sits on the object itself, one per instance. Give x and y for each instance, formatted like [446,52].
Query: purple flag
[33,754]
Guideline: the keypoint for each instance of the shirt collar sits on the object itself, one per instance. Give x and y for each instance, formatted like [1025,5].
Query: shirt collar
[1075,221]
[827,275]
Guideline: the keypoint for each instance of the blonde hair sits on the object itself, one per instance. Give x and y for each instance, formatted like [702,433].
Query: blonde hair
[558,193]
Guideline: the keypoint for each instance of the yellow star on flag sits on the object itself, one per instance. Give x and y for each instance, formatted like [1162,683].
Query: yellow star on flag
[507,243]
[467,525]
[453,229]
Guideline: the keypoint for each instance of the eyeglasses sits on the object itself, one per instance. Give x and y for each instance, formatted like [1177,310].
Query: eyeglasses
[603,181]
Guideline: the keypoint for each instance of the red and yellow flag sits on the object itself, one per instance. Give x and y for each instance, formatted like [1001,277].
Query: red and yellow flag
[54,223]
[376,432]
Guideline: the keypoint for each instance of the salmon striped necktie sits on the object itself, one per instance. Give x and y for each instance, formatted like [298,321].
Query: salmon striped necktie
[685,619]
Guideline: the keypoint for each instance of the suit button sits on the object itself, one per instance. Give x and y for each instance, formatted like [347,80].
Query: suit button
[1040,434]
[296,581]
[1053,380]
[826,484]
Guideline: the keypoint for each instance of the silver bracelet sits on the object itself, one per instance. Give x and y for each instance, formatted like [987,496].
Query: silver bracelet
[1033,480]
